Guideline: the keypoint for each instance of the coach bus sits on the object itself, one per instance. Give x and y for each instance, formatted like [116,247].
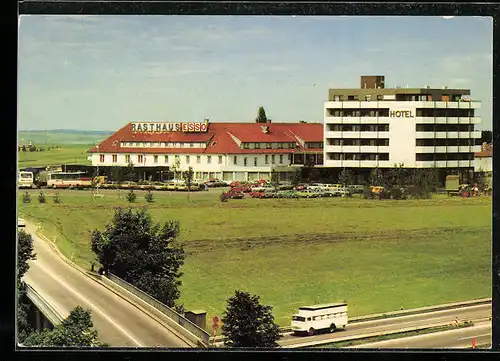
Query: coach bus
[25,179]
[68,180]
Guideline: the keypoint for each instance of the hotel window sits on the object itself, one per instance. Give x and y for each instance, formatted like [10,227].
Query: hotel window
[280,145]
[235,160]
[127,158]
[273,159]
[246,146]
[245,161]
[115,158]
[188,159]
[220,159]
[269,146]
[289,157]
[166,159]
[155,159]
[177,159]
[267,159]
[209,159]
[257,145]
[139,158]
[101,158]
[281,158]
[198,159]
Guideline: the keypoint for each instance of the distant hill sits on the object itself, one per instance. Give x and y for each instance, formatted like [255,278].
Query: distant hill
[62,136]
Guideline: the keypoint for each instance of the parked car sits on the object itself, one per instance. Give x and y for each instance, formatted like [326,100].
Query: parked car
[307,193]
[256,194]
[21,222]
[234,194]
[287,194]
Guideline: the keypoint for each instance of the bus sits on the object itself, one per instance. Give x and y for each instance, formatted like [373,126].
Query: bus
[310,319]
[68,180]
[25,180]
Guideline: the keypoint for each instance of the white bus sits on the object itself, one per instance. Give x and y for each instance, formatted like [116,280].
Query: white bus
[68,180]
[320,317]
[25,180]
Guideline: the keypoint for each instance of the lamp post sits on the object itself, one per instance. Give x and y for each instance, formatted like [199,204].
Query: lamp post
[98,160]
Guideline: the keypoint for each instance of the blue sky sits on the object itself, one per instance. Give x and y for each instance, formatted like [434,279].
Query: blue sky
[100,72]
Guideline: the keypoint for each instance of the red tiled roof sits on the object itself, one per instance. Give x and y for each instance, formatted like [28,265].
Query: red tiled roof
[219,138]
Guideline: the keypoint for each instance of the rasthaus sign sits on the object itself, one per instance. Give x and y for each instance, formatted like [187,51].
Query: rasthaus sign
[161,127]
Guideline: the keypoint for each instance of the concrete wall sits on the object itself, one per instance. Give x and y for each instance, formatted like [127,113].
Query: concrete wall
[187,328]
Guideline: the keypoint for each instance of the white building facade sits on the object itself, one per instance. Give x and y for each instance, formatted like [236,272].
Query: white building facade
[417,128]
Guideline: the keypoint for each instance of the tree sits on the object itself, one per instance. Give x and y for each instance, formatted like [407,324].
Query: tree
[247,323]
[261,116]
[176,167]
[129,172]
[188,178]
[346,177]
[142,253]
[117,174]
[131,196]
[296,178]
[376,177]
[275,179]
[25,252]
[74,331]
[486,136]
[149,196]
[423,181]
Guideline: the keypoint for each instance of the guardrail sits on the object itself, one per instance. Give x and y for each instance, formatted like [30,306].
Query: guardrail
[48,311]
[187,328]
[369,335]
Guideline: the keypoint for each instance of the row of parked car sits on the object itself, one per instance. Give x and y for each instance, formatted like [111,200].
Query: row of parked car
[263,189]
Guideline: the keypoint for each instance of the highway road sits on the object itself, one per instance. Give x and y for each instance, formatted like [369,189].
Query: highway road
[118,322]
[459,338]
[394,323]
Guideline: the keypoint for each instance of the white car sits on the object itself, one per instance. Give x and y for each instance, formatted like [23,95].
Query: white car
[21,223]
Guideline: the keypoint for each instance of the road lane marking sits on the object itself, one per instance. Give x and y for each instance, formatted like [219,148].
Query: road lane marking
[111,321]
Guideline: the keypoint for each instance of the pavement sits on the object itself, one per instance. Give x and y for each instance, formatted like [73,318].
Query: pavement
[459,338]
[118,322]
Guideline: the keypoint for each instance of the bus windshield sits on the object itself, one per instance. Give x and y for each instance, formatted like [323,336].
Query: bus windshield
[26,175]
[298,318]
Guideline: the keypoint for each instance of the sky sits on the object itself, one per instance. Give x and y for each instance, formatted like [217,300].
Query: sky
[89,72]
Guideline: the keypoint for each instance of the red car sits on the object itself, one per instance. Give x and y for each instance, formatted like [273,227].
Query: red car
[234,194]
[256,194]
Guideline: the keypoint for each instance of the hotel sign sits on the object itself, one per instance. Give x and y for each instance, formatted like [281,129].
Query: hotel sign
[401,114]
[163,127]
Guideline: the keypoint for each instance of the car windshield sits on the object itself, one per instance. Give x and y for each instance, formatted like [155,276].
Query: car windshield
[298,318]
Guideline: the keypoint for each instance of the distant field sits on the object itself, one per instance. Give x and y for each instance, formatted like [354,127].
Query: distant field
[73,147]
[377,255]
[67,154]
[55,137]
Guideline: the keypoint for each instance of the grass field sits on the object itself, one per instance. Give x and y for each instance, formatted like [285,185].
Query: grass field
[379,256]
[67,154]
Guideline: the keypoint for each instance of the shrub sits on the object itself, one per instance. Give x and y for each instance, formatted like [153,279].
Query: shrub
[57,198]
[367,193]
[41,197]
[131,196]
[26,197]
[223,197]
[149,197]
[397,193]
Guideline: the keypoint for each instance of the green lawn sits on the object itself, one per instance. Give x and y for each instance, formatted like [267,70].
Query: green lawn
[377,255]
[66,154]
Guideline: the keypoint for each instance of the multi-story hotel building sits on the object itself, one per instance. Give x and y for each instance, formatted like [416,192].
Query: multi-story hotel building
[227,151]
[373,126]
